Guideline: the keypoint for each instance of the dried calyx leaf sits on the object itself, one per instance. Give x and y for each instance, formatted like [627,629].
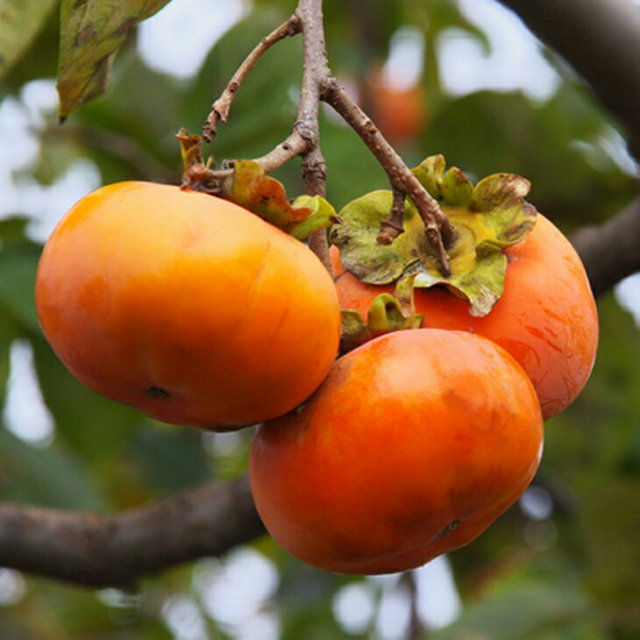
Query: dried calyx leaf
[387,313]
[251,188]
[487,217]
[197,175]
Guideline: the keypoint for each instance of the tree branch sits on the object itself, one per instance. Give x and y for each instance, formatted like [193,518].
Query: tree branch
[114,550]
[220,108]
[316,67]
[610,251]
[600,39]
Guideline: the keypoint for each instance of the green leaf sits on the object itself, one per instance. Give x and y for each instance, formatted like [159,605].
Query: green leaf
[18,264]
[12,230]
[357,233]
[171,459]
[9,331]
[20,22]
[608,519]
[91,31]
[47,476]
[521,613]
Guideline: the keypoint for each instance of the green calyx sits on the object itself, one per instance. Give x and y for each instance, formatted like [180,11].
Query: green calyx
[487,218]
[387,313]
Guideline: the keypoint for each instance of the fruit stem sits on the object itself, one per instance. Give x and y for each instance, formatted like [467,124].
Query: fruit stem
[393,225]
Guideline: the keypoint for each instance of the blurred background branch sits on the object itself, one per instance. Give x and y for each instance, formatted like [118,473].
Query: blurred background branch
[601,41]
[117,550]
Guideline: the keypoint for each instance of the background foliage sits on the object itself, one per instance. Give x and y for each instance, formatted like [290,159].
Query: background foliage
[562,566]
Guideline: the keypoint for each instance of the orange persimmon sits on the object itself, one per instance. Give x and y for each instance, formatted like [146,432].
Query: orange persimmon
[186,306]
[413,445]
[546,318]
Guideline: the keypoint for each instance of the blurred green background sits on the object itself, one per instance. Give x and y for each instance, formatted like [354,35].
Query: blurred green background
[563,564]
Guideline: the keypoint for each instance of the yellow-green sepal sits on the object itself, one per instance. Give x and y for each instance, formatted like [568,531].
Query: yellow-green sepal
[322,215]
[487,218]
[386,313]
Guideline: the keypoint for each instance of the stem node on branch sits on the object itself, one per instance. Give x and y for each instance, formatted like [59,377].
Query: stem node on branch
[392,226]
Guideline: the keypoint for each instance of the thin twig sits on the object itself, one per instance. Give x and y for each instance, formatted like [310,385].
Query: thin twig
[220,108]
[294,145]
[439,230]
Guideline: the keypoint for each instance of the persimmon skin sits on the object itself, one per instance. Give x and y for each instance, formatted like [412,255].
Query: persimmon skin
[413,445]
[546,318]
[186,306]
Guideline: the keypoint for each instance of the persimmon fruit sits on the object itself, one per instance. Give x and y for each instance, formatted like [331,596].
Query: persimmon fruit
[412,446]
[186,306]
[401,114]
[546,318]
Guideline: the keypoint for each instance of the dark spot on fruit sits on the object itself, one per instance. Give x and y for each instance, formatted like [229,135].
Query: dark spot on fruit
[447,530]
[157,392]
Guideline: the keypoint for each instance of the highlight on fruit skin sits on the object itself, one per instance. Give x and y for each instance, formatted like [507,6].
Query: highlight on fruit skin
[186,306]
[546,317]
[413,445]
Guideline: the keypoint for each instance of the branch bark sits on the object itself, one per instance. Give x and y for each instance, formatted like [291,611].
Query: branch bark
[610,251]
[600,39]
[316,67]
[115,550]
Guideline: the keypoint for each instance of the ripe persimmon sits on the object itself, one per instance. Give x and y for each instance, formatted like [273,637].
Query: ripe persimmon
[412,446]
[401,114]
[186,306]
[546,318]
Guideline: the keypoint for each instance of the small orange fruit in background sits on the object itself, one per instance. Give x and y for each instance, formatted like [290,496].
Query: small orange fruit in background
[400,112]
[186,306]
[413,445]
[546,318]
